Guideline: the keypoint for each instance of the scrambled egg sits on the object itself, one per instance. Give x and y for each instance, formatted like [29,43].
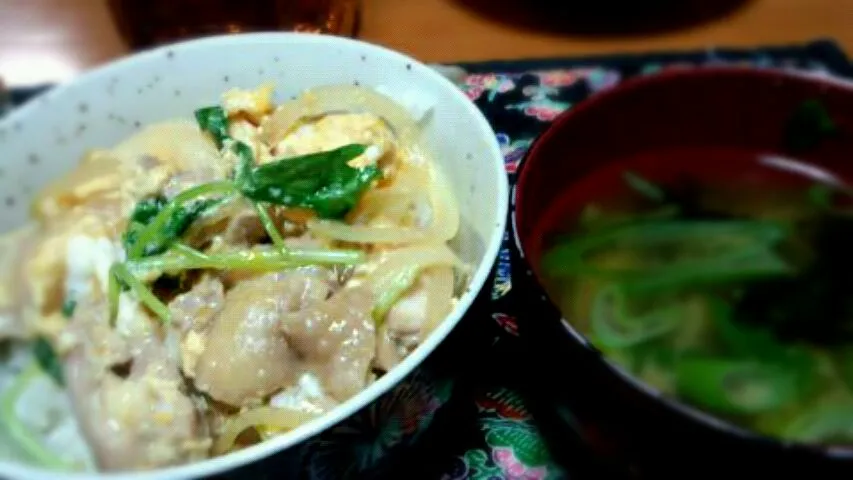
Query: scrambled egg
[158,153]
[9,265]
[252,103]
[334,131]
[48,266]
[98,173]
[247,107]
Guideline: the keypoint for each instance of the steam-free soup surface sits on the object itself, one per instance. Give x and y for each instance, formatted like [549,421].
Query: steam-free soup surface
[719,277]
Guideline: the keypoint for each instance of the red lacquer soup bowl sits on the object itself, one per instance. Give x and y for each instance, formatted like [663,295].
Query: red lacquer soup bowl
[731,130]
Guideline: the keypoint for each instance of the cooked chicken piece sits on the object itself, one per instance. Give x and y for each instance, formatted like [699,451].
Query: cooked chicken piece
[337,339]
[415,315]
[142,422]
[392,347]
[135,419]
[245,356]
[195,309]
[192,313]
[89,332]
[306,395]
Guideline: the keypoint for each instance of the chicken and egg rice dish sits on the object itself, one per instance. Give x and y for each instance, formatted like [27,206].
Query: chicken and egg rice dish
[210,283]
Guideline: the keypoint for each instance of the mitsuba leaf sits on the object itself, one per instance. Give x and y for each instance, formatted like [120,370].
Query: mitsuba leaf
[323,182]
[142,214]
[48,360]
[146,210]
[68,307]
[245,162]
[214,121]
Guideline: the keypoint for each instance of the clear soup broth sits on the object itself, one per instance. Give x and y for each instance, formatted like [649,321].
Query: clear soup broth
[720,277]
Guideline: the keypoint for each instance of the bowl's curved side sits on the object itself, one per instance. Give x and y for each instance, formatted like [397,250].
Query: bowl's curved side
[46,137]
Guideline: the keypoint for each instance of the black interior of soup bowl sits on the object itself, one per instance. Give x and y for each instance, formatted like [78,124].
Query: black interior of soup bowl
[741,131]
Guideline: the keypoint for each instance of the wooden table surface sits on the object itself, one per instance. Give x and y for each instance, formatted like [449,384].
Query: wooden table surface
[53,40]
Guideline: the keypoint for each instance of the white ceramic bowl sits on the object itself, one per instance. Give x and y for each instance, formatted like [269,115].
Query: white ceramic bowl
[45,138]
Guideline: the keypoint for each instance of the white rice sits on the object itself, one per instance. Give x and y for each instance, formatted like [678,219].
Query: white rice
[45,409]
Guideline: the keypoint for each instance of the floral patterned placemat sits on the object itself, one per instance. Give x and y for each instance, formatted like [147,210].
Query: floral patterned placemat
[465,413]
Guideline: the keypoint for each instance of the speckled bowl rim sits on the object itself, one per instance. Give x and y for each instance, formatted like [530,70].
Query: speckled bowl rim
[477,280]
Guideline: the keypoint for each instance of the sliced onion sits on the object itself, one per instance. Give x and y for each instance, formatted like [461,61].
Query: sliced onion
[367,234]
[397,270]
[406,193]
[439,284]
[281,419]
[178,144]
[445,210]
[443,227]
[386,204]
[336,99]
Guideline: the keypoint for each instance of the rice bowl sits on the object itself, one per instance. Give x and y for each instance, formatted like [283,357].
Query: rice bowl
[104,107]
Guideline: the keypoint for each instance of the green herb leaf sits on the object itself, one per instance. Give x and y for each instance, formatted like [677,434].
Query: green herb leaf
[644,187]
[697,252]
[68,307]
[811,306]
[48,360]
[152,231]
[270,227]
[615,326]
[742,339]
[245,163]
[214,121]
[31,443]
[753,342]
[809,125]
[123,276]
[180,221]
[147,209]
[828,423]
[735,386]
[387,298]
[143,213]
[821,196]
[186,258]
[323,182]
